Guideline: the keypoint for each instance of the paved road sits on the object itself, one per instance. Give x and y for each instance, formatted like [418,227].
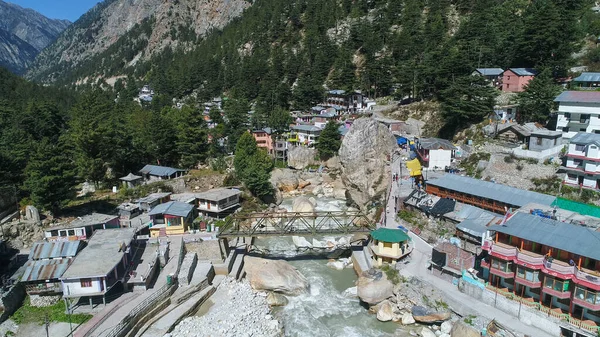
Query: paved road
[421,255]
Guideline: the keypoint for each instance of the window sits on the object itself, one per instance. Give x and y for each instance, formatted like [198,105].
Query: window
[584,119]
[507,86]
[528,274]
[582,129]
[565,129]
[86,282]
[556,284]
[567,115]
[579,147]
[387,245]
[63,233]
[538,141]
[71,232]
[502,265]
[54,233]
[587,295]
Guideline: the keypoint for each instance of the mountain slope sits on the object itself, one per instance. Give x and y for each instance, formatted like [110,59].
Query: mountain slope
[121,32]
[23,34]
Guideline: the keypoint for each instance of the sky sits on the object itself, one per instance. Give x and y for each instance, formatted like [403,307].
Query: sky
[58,9]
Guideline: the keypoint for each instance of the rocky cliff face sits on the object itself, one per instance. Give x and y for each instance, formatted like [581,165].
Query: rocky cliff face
[364,158]
[118,33]
[23,35]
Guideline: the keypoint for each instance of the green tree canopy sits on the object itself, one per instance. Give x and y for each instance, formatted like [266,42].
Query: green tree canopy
[253,166]
[537,101]
[329,141]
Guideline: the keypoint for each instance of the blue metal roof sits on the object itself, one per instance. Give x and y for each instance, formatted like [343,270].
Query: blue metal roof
[564,236]
[524,71]
[176,208]
[161,171]
[309,128]
[587,77]
[490,71]
[52,250]
[44,270]
[579,97]
[584,138]
[337,92]
[485,189]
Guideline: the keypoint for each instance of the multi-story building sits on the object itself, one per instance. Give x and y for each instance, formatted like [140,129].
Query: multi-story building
[263,139]
[546,261]
[583,161]
[515,79]
[578,111]
[494,75]
[306,135]
[435,153]
[587,81]
[351,102]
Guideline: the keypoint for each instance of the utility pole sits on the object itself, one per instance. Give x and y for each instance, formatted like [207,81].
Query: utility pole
[47,323]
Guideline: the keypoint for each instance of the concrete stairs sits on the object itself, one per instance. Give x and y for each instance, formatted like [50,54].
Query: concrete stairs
[238,264]
[162,233]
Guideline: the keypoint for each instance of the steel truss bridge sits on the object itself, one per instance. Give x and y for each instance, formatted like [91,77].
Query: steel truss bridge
[295,223]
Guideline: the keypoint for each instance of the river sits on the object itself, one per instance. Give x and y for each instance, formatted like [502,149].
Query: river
[325,310]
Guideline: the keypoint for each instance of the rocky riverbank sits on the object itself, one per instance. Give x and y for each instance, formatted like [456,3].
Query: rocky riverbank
[237,311]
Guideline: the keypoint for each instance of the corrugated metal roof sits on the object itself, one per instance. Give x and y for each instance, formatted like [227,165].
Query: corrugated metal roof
[579,97]
[389,235]
[588,77]
[218,194]
[524,71]
[44,270]
[337,92]
[436,144]
[130,177]
[520,129]
[309,128]
[485,189]
[490,71]
[572,238]
[52,250]
[160,171]
[584,138]
[152,197]
[172,208]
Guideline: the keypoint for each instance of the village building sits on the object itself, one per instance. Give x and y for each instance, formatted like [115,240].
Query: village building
[263,139]
[451,259]
[81,228]
[100,266]
[47,263]
[280,150]
[435,153]
[131,180]
[513,133]
[146,94]
[351,102]
[494,75]
[547,261]
[171,218]
[389,245]
[306,135]
[587,81]
[578,111]
[395,126]
[515,79]
[155,173]
[218,203]
[484,194]
[152,200]
[542,144]
[583,161]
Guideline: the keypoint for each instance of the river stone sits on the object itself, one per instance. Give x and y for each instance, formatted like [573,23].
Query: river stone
[351,292]
[423,315]
[407,319]
[303,184]
[374,288]
[276,300]
[284,180]
[303,204]
[301,242]
[333,163]
[385,312]
[274,275]
[425,332]
[446,327]
[301,157]
[337,265]
[460,329]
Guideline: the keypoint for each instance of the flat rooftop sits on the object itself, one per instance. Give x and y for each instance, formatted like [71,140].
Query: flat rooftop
[153,197]
[86,220]
[218,194]
[103,253]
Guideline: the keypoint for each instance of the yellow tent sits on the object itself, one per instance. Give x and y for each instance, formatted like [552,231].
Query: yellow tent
[414,167]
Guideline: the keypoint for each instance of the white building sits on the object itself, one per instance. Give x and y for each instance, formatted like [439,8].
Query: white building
[583,161]
[307,134]
[219,202]
[578,111]
[435,153]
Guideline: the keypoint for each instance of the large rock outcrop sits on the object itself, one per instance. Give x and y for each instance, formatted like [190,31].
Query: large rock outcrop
[424,315]
[284,180]
[301,157]
[374,287]
[460,329]
[303,204]
[364,158]
[274,275]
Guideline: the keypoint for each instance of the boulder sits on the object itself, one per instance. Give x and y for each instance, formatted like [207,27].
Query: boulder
[374,287]
[426,332]
[300,157]
[32,213]
[385,312]
[318,244]
[274,275]
[303,204]
[461,329]
[351,292]
[407,319]
[446,327]
[303,183]
[333,163]
[423,315]
[276,300]
[337,265]
[284,180]
[301,242]
[364,157]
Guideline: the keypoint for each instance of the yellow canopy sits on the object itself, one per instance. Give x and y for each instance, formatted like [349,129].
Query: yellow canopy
[414,167]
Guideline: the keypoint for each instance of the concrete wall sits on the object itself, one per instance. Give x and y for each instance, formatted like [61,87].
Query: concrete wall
[11,301]
[440,158]
[539,155]
[74,288]
[546,143]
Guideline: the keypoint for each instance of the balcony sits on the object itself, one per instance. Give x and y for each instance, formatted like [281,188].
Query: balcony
[504,251]
[588,278]
[531,284]
[556,293]
[586,304]
[530,259]
[485,264]
[505,274]
[558,268]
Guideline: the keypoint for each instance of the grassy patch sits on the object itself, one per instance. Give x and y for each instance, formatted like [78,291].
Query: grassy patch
[56,313]
[411,217]
[391,273]
[144,190]
[470,163]
[469,319]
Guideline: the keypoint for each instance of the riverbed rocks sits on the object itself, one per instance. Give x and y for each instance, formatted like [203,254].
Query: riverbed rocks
[301,157]
[407,319]
[303,204]
[284,180]
[364,157]
[424,315]
[446,327]
[374,287]
[246,313]
[460,329]
[276,300]
[426,332]
[351,292]
[274,275]
[385,311]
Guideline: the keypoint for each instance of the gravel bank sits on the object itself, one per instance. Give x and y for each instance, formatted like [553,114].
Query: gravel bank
[237,311]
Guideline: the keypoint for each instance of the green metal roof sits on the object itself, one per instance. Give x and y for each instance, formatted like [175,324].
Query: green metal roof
[578,207]
[389,235]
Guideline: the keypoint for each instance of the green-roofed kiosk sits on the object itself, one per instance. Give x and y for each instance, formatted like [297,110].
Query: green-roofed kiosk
[389,245]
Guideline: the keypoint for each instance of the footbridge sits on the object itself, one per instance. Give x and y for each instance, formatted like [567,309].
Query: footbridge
[295,223]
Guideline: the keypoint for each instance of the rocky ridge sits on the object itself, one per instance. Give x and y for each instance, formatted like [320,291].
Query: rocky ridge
[24,33]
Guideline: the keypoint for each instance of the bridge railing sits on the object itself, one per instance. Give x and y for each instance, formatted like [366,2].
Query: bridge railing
[296,223]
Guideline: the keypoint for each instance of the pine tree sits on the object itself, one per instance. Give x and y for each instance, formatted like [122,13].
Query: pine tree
[537,101]
[192,138]
[329,141]
[253,166]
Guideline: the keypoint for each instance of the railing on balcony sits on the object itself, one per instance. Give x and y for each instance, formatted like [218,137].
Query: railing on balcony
[530,258]
[559,267]
[588,275]
[504,249]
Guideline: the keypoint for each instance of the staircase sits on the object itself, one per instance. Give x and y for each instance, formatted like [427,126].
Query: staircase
[162,233]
